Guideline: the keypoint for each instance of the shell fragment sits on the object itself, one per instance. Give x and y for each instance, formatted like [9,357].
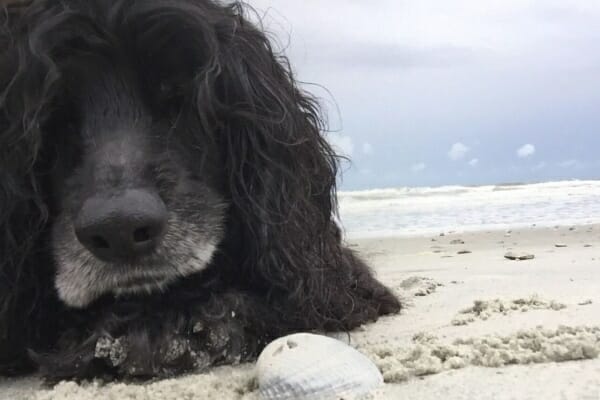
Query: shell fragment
[305,366]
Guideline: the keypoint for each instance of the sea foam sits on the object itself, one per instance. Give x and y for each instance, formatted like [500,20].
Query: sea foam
[409,211]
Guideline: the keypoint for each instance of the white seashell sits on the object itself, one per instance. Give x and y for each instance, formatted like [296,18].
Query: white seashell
[304,366]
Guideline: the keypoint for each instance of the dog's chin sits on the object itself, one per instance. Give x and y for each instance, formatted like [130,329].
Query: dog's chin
[142,287]
[81,278]
[79,283]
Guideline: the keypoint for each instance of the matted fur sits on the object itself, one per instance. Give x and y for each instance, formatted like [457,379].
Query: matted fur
[205,89]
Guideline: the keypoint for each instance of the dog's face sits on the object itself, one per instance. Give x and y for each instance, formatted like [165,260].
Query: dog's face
[141,135]
[134,178]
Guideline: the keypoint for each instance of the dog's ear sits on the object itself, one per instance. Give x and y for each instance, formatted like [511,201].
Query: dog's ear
[25,79]
[281,170]
[24,274]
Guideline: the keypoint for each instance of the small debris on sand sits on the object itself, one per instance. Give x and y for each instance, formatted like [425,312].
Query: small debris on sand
[483,310]
[464,252]
[585,303]
[560,245]
[587,245]
[519,256]
[419,286]
[457,241]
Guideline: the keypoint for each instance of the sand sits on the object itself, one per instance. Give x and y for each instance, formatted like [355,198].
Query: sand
[476,324]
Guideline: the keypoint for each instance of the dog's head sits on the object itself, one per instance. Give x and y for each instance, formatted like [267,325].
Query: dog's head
[137,134]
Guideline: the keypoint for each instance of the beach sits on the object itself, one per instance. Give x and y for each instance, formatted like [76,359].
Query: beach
[475,324]
[487,308]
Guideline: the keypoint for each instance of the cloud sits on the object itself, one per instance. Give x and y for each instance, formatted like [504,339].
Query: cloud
[418,167]
[392,55]
[367,149]
[571,164]
[526,150]
[342,144]
[474,162]
[458,151]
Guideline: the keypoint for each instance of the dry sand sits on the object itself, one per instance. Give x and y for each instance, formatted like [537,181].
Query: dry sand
[476,325]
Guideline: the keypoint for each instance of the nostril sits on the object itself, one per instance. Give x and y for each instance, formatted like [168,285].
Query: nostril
[141,235]
[99,242]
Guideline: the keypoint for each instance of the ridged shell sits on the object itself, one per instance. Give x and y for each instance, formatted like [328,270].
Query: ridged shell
[304,366]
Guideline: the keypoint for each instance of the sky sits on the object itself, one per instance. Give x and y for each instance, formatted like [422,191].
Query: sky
[432,92]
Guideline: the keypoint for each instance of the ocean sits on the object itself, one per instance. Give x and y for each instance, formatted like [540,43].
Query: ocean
[416,211]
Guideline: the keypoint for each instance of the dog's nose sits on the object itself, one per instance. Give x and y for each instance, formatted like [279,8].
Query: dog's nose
[122,227]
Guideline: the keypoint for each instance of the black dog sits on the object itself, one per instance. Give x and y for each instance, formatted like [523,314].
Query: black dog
[166,196]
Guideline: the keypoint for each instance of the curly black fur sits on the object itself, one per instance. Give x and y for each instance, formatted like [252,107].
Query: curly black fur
[206,85]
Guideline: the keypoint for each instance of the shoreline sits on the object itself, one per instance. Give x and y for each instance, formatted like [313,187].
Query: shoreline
[405,212]
[359,237]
